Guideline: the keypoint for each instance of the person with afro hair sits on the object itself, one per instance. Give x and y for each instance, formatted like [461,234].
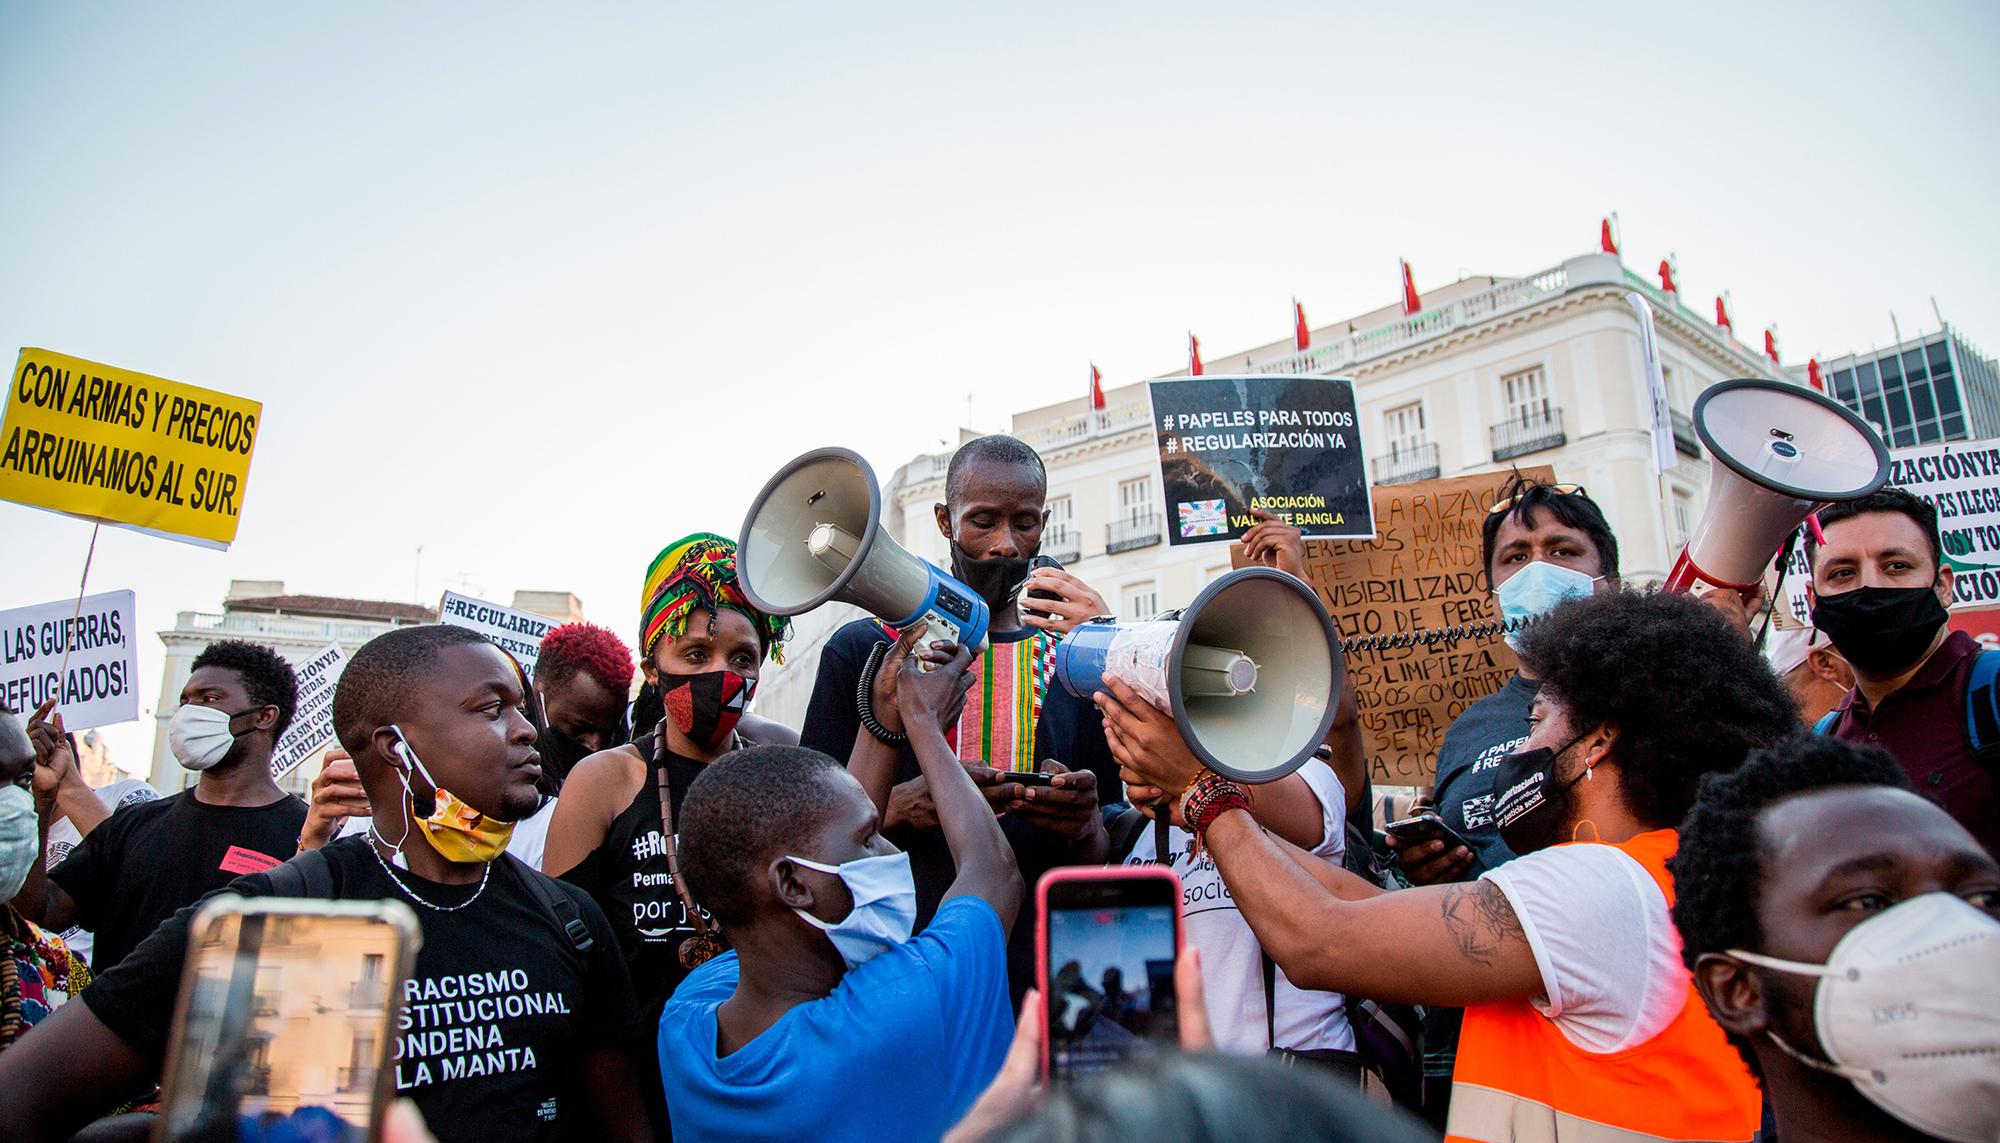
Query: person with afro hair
[583,676]
[1783,858]
[1565,958]
[138,866]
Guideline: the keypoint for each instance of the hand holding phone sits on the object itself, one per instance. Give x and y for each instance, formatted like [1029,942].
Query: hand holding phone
[1106,940]
[1428,851]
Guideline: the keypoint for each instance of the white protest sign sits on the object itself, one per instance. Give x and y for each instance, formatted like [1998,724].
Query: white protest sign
[312,719]
[1653,384]
[519,633]
[100,685]
[1961,479]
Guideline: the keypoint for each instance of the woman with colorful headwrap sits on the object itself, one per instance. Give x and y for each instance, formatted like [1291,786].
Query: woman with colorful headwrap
[706,644]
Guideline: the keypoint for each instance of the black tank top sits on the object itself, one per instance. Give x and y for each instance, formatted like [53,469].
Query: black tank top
[628,878]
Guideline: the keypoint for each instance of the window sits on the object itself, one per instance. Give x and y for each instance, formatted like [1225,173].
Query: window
[1683,516]
[1062,515]
[1527,395]
[1403,428]
[1142,600]
[1135,500]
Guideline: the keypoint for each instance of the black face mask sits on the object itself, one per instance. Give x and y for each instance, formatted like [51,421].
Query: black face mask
[1529,804]
[997,580]
[1881,631]
[560,753]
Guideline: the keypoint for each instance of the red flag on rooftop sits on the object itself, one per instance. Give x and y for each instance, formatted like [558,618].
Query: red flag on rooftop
[1722,315]
[1301,336]
[1771,342]
[1605,240]
[1667,277]
[1194,356]
[1411,302]
[1812,375]
[1096,387]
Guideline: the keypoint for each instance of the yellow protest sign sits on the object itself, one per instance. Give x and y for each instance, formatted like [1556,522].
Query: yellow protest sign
[126,448]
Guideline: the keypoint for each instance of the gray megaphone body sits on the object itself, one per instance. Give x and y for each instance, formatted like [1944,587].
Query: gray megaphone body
[1249,670]
[814,535]
[1781,453]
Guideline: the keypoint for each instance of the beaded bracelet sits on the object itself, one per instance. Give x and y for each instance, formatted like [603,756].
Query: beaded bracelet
[1211,796]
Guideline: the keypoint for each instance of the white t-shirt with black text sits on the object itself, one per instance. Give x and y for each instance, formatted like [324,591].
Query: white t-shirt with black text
[1232,962]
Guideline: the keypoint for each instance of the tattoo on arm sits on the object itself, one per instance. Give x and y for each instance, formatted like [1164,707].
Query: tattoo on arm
[1480,921]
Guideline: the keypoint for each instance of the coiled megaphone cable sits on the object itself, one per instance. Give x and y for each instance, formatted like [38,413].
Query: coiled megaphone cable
[1432,637]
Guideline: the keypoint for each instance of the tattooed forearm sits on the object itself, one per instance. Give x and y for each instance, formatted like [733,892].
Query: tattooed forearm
[1480,921]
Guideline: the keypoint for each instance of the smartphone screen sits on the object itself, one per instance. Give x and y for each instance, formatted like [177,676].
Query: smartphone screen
[1111,943]
[287,1012]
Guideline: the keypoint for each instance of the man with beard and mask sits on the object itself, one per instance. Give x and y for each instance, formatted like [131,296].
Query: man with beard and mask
[1565,958]
[1846,935]
[582,675]
[138,866]
[708,644]
[517,1020]
[1922,692]
[1014,719]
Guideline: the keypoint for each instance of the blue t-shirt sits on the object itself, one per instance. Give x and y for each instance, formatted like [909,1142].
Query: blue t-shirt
[899,1049]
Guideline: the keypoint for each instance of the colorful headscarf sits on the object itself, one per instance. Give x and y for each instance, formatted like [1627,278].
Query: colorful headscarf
[698,571]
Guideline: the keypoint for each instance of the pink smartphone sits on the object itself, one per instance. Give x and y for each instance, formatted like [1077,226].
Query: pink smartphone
[1105,943]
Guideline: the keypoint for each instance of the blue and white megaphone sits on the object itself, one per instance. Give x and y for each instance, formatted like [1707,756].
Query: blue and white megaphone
[1249,670]
[814,535]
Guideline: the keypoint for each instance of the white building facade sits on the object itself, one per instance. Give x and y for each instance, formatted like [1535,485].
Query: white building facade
[1492,373]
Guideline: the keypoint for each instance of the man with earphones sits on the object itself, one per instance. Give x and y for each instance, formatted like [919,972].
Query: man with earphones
[137,867]
[518,1017]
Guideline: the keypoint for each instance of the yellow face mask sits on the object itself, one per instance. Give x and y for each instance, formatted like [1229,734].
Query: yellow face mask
[457,831]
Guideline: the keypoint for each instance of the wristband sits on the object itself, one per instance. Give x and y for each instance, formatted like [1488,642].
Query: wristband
[1211,796]
[864,700]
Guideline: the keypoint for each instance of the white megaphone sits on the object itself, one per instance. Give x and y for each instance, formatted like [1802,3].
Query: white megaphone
[814,535]
[1781,453]
[1249,671]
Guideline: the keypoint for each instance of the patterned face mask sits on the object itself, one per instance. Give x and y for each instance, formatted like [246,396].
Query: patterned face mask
[706,707]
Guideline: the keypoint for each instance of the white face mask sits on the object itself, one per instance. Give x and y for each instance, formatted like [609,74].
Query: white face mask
[200,736]
[20,839]
[1535,590]
[885,906]
[1908,1011]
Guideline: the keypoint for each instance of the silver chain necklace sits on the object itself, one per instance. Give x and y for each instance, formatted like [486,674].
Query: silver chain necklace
[485,871]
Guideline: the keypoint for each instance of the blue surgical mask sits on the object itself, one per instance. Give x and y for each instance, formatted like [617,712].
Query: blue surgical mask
[1535,590]
[885,906]
[20,839]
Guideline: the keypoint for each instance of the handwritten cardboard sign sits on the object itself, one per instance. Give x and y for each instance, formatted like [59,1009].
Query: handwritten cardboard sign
[1423,572]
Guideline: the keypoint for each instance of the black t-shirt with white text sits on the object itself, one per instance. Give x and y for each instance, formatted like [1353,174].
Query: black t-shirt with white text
[497,1012]
[146,861]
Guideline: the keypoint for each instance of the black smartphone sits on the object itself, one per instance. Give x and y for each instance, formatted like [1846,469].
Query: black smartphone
[1106,939]
[1029,777]
[1421,828]
[1042,592]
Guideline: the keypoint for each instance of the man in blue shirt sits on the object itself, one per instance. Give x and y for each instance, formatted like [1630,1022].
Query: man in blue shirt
[827,995]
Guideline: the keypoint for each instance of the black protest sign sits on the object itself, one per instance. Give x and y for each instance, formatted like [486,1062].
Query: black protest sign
[1287,445]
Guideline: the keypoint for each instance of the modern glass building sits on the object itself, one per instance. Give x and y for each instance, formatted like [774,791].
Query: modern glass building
[1936,387]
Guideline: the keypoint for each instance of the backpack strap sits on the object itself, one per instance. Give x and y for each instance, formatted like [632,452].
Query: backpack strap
[1270,999]
[1825,724]
[1982,708]
[309,874]
[1124,830]
[557,904]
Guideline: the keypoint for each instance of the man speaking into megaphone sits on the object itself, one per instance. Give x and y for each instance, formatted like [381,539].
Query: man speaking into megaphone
[1038,753]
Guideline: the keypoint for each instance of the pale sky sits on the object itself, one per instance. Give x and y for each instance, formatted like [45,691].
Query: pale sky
[542,287]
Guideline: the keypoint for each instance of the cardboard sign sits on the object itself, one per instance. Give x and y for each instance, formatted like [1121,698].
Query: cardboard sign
[124,448]
[1961,479]
[519,633]
[312,721]
[1424,572]
[1288,445]
[100,686]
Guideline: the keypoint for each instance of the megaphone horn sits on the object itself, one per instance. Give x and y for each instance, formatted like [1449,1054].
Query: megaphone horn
[1781,452]
[1249,671]
[814,535]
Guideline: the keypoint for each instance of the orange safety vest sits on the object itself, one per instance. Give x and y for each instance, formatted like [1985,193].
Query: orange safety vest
[1518,1079]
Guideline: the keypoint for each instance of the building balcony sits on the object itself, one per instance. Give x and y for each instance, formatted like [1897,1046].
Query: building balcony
[1406,463]
[1528,432]
[1063,545]
[1097,423]
[367,994]
[1138,532]
[258,626]
[1684,436]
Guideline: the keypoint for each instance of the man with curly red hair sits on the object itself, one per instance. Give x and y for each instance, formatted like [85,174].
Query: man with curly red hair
[583,676]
